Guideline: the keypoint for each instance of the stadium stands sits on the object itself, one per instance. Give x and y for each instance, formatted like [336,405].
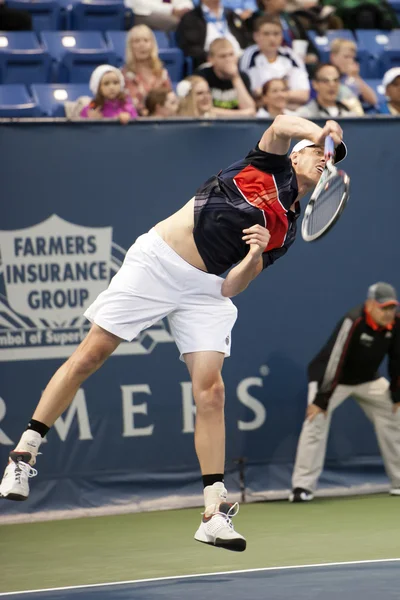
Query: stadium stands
[23,59]
[50,98]
[16,102]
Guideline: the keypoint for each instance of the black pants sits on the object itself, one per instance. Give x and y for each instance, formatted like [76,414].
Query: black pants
[14,20]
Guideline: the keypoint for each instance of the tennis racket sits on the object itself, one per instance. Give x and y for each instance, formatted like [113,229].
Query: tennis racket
[328,199]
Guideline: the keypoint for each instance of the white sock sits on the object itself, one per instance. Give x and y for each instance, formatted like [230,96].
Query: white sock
[213,496]
[30,442]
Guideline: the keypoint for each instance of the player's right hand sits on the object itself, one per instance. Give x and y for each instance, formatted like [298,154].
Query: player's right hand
[334,130]
[313,411]
[258,238]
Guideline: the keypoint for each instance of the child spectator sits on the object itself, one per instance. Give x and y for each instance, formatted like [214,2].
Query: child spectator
[391,83]
[353,89]
[230,89]
[110,101]
[161,103]
[143,70]
[274,99]
[268,59]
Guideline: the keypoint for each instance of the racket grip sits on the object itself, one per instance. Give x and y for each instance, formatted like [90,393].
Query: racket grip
[329,147]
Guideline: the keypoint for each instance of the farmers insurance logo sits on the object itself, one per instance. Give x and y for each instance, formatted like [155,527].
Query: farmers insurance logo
[51,273]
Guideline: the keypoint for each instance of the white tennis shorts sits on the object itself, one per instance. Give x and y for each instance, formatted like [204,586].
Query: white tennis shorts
[155,282]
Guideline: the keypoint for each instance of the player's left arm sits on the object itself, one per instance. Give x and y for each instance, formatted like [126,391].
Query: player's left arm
[394,365]
[237,280]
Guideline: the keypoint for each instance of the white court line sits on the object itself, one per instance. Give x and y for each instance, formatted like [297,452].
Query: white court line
[178,577]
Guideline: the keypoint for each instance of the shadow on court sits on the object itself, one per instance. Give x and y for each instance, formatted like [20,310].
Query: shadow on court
[364,581]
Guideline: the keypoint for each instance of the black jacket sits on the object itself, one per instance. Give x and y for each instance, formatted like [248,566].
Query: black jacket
[192,31]
[353,353]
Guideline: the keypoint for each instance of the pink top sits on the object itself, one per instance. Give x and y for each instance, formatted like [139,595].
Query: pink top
[138,87]
[113,108]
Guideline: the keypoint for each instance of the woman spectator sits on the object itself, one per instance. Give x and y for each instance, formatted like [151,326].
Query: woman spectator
[274,99]
[196,100]
[143,70]
[110,101]
[161,103]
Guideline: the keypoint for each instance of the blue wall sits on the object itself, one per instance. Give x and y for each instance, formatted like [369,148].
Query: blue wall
[128,178]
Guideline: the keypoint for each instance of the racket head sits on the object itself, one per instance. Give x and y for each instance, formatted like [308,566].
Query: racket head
[326,203]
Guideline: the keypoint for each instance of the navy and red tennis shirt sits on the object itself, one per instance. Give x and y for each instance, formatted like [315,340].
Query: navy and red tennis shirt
[259,189]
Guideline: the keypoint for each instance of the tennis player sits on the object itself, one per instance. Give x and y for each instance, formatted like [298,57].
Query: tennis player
[244,216]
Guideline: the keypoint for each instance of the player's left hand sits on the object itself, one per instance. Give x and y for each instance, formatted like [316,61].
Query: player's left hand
[258,238]
[396,407]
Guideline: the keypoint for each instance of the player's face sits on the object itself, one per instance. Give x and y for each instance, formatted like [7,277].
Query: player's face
[202,97]
[276,96]
[142,45]
[393,91]
[327,84]
[269,38]
[110,86]
[171,105]
[382,315]
[309,163]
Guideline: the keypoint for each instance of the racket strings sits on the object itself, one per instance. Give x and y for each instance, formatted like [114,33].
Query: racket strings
[326,205]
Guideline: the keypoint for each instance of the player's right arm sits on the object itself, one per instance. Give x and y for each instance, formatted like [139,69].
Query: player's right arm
[277,138]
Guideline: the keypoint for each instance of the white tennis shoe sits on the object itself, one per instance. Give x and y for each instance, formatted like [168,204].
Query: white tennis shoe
[217,529]
[15,482]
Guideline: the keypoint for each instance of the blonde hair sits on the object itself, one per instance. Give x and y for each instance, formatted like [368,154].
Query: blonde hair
[340,43]
[187,105]
[130,61]
[218,44]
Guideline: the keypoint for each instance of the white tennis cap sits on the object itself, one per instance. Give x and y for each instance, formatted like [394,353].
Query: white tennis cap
[340,152]
[98,74]
[390,76]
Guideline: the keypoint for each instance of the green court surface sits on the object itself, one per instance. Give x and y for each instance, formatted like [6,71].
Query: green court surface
[147,545]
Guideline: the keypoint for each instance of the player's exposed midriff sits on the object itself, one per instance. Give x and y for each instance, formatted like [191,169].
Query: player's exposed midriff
[177,232]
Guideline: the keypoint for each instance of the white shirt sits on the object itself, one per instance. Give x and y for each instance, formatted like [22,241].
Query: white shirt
[287,65]
[147,7]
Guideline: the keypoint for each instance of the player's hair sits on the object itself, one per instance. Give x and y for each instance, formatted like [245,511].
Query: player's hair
[155,97]
[130,60]
[267,20]
[340,43]
[322,66]
[187,104]
[99,100]
[267,84]
[218,44]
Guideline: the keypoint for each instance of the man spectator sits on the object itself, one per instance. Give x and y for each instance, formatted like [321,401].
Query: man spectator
[353,89]
[158,14]
[230,89]
[391,83]
[204,24]
[348,366]
[326,82]
[268,59]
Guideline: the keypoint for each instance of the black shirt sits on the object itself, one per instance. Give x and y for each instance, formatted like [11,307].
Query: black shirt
[353,353]
[259,189]
[223,92]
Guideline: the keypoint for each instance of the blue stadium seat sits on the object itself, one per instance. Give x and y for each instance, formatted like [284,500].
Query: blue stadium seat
[383,48]
[76,54]
[174,62]
[46,14]
[16,102]
[162,39]
[378,88]
[323,42]
[97,15]
[116,41]
[51,97]
[23,59]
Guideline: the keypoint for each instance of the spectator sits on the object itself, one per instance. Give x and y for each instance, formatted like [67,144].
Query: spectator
[353,89]
[161,103]
[267,59]
[143,70]
[204,24]
[230,89]
[293,29]
[110,101]
[274,99]
[391,83]
[158,14]
[12,19]
[326,83]
[243,8]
